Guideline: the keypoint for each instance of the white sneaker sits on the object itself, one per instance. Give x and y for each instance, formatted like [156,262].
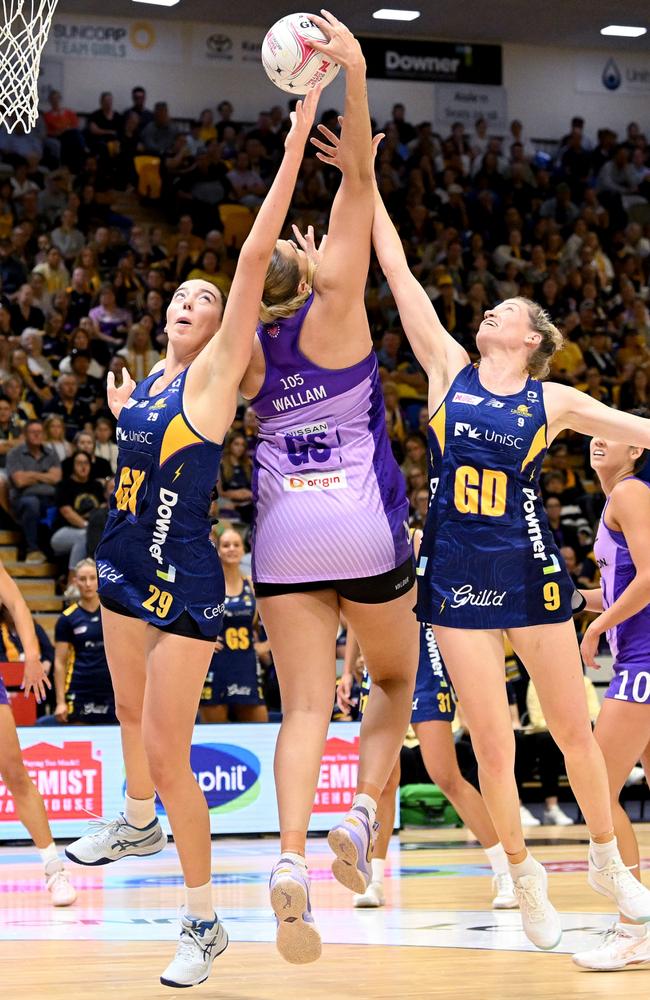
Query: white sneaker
[635,777]
[553,816]
[298,940]
[110,840]
[617,950]
[540,919]
[504,892]
[619,884]
[201,942]
[527,818]
[58,885]
[373,897]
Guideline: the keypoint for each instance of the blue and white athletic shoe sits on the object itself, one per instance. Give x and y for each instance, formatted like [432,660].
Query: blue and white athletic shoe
[201,942]
[110,840]
[353,841]
[297,940]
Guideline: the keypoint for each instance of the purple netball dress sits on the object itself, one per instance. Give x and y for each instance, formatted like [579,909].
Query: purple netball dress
[629,641]
[330,499]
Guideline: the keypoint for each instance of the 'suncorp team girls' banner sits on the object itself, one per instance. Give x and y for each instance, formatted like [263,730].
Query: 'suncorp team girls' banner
[115,38]
[79,772]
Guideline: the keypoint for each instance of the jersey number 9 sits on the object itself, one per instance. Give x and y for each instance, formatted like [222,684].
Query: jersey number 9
[480,491]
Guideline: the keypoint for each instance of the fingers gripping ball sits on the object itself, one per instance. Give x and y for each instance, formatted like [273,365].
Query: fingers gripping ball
[289,59]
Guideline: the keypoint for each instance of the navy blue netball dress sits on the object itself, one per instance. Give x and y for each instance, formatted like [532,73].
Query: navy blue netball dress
[488,559]
[155,558]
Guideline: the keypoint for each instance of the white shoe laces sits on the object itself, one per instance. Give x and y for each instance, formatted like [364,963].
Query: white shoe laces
[531,895]
[503,884]
[622,877]
[189,941]
[100,828]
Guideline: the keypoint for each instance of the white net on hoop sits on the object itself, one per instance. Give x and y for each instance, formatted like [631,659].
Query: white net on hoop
[24,28]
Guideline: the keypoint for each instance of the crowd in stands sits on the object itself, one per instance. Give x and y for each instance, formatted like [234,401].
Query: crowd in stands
[84,288]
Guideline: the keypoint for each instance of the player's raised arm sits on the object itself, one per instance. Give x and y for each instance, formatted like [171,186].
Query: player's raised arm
[567,407]
[227,355]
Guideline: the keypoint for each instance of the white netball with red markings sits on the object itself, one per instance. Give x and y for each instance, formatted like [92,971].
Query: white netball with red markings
[289,59]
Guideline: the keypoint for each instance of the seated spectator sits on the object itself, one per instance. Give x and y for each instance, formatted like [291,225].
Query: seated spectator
[37,390]
[593,386]
[90,390]
[79,298]
[54,437]
[76,415]
[85,338]
[582,573]
[419,501]
[101,469]
[140,355]
[635,392]
[112,321]
[568,364]
[180,264]
[97,520]
[157,137]
[34,472]
[207,268]
[87,259]
[202,189]
[454,316]
[21,183]
[76,497]
[24,313]
[104,125]
[250,427]
[128,285]
[139,108]
[58,119]
[16,392]
[236,476]
[54,271]
[633,350]
[207,128]
[415,450]
[67,238]
[599,356]
[38,365]
[248,188]
[564,535]
[12,272]
[105,446]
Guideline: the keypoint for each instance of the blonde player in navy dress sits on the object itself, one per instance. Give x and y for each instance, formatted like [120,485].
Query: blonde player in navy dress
[84,691]
[233,685]
[28,803]
[331,521]
[488,562]
[161,582]
[623,725]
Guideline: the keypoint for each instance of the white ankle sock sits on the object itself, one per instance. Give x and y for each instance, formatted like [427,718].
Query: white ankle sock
[140,812]
[296,858]
[50,855]
[198,902]
[498,859]
[602,853]
[636,930]
[378,866]
[368,803]
[526,867]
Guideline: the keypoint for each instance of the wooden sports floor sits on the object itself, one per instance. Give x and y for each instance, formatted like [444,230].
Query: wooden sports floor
[437,935]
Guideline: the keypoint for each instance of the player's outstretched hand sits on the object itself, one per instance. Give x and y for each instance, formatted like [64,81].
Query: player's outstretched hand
[589,646]
[302,120]
[341,45]
[308,243]
[119,397]
[328,151]
[35,678]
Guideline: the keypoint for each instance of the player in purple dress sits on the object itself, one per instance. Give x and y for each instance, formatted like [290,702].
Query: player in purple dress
[623,726]
[28,803]
[331,531]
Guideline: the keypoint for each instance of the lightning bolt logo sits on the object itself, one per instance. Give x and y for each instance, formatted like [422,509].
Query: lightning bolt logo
[442,606]
[178,472]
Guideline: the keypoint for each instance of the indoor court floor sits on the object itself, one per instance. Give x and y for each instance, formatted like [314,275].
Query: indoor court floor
[437,936]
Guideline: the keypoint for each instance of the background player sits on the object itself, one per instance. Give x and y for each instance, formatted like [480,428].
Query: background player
[84,692]
[161,582]
[488,562]
[331,531]
[623,725]
[233,683]
[432,716]
[27,799]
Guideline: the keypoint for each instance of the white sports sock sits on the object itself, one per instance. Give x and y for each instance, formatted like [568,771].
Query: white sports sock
[296,858]
[378,866]
[368,803]
[602,853]
[498,859]
[49,856]
[198,902]
[140,812]
[526,867]
[636,930]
